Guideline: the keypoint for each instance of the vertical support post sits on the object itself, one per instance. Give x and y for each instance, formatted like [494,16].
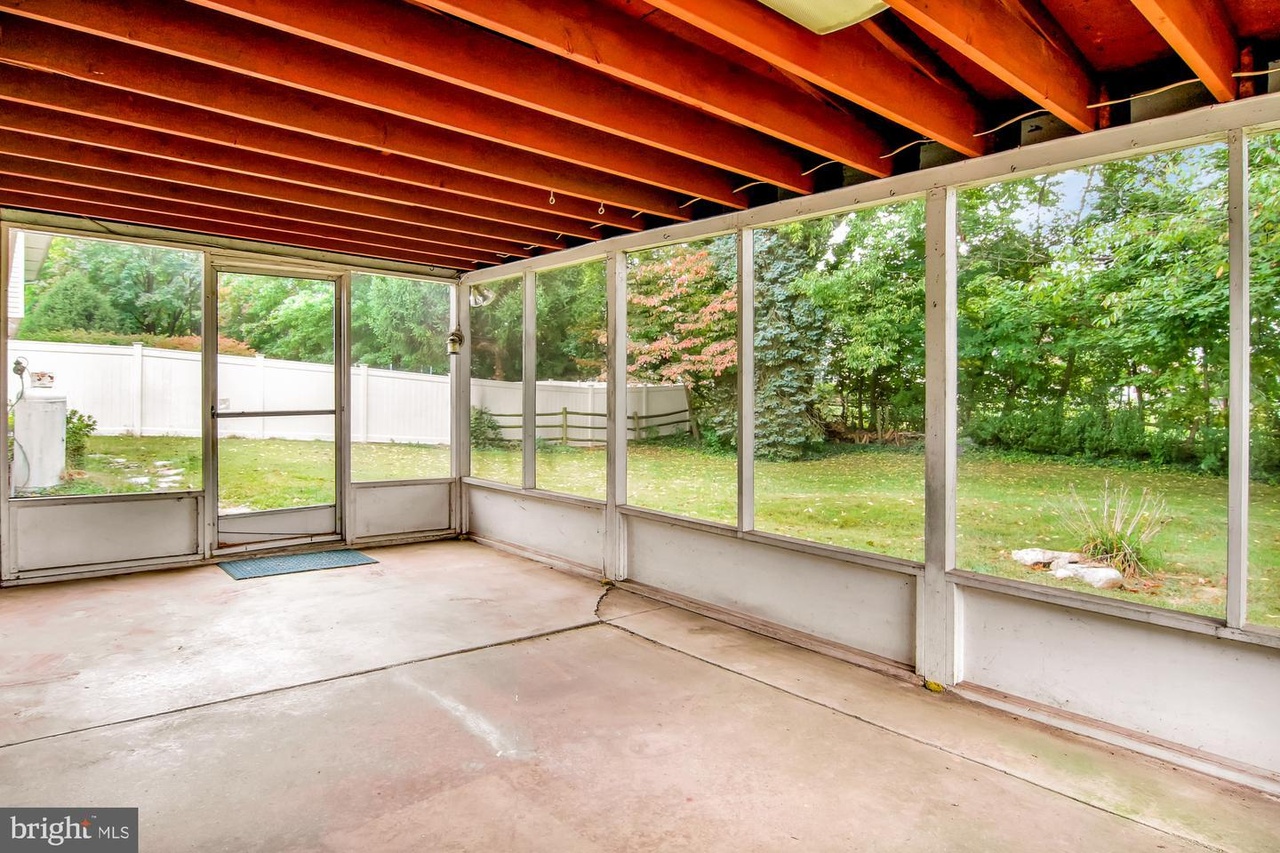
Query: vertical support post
[460,394]
[139,388]
[1238,454]
[564,425]
[209,390]
[937,622]
[12,259]
[529,383]
[746,379]
[344,506]
[615,554]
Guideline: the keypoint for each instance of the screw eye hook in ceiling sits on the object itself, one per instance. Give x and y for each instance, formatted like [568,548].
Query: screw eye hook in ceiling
[601,211]
[552,200]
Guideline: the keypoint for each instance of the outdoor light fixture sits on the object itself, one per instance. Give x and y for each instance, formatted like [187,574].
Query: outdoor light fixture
[826,16]
[481,296]
[453,343]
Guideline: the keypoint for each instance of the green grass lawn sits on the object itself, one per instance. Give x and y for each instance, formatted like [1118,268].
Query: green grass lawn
[869,499]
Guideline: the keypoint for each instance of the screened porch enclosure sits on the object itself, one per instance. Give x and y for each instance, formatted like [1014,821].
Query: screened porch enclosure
[943,343]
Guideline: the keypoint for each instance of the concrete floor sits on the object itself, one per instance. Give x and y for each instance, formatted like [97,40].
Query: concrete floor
[456,698]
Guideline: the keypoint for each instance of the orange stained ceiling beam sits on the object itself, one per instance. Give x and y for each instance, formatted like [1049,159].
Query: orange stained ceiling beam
[104,134]
[76,154]
[47,48]
[599,39]
[67,95]
[151,203]
[1202,34]
[375,231]
[850,62]
[1010,43]
[393,32]
[221,41]
[200,225]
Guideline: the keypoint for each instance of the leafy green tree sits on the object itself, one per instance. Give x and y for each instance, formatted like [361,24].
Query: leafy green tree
[110,286]
[399,323]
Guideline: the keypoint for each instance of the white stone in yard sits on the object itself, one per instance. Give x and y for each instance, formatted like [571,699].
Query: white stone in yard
[1043,556]
[140,481]
[1097,575]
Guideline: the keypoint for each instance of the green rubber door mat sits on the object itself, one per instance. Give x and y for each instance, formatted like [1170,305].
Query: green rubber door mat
[287,564]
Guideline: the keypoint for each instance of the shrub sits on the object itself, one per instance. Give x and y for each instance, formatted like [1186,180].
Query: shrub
[79,427]
[485,431]
[1119,532]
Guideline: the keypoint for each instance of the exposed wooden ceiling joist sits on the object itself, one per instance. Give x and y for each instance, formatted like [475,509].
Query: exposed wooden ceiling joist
[455,230]
[445,49]
[375,231]
[100,102]
[216,40]
[465,228]
[851,63]
[1012,44]
[603,40]
[103,134]
[320,231]
[40,46]
[121,211]
[1201,33]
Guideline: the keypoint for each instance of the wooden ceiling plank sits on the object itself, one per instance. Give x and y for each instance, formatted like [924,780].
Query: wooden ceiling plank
[66,95]
[219,41]
[446,49]
[124,213]
[1003,39]
[103,134]
[47,48]
[420,238]
[1201,33]
[58,151]
[851,63]
[145,203]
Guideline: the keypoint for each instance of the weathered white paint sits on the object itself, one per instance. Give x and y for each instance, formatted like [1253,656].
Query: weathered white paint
[938,611]
[51,533]
[1202,692]
[869,609]
[567,530]
[388,509]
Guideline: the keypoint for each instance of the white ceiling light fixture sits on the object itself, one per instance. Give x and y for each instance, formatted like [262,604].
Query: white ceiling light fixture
[826,16]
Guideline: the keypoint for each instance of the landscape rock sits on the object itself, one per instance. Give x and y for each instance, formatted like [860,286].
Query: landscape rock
[1097,575]
[1043,556]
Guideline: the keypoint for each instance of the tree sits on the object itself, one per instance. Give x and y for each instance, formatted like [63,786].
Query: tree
[682,307]
[110,286]
[399,323]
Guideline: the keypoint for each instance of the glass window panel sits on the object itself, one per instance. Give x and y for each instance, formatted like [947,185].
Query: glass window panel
[106,338]
[682,375]
[497,396]
[1264,294]
[400,402]
[572,395]
[839,364]
[1093,357]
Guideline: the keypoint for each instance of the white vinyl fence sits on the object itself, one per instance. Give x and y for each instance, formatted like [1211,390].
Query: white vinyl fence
[137,390]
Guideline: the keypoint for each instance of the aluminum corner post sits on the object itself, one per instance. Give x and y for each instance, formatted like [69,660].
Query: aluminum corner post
[1238,396]
[746,380]
[345,503]
[460,390]
[938,628]
[529,381]
[615,553]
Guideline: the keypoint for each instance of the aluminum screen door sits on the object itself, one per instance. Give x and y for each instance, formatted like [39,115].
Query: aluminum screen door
[274,416]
